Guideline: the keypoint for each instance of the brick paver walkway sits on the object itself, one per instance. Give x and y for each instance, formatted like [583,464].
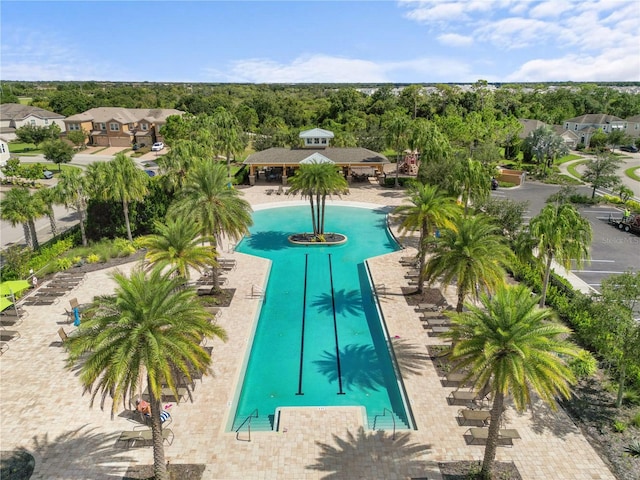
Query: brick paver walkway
[43,408]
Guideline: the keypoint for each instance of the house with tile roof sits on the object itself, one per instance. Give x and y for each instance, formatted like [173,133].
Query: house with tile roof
[529,126]
[276,164]
[121,127]
[15,115]
[585,126]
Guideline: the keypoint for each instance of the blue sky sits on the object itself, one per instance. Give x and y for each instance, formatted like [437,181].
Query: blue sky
[322,41]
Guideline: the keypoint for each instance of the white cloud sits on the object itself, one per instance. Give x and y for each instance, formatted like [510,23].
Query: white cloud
[611,66]
[553,9]
[455,40]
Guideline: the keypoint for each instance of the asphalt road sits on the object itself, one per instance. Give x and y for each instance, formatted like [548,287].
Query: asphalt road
[612,251]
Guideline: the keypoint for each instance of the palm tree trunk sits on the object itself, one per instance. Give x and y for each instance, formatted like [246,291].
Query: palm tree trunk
[27,234]
[159,464]
[492,437]
[34,234]
[52,222]
[460,304]
[397,184]
[125,207]
[424,232]
[545,282]
[313,213]
[83,233]
[324,197]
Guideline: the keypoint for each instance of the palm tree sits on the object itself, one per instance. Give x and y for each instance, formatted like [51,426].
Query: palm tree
[48,198]
[72,190]
[561,233]
[176,244]
[473,253]
[317,180]
[227,136]
[397,126]
[152,327]
[430,208]
[175,165]
[19,206]
[216,208]
[509,346]
[120,180]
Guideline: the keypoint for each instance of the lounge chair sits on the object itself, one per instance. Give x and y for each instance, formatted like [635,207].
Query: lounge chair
[474,417]
[435,322]
[6,335]
[4,346]
[168,393]
[435,331]
[280,190]
[269,191]
[38,301]
[455,379]
[465,397]
[479,436]
[132,437]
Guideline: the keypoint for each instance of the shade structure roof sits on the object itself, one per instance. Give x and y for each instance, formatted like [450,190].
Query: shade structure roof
[5,303]
[290,157]
[13,286]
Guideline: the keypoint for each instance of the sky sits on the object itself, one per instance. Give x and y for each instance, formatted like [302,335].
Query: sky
[406,41]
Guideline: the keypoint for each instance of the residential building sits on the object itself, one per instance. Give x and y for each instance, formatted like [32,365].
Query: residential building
[121,127]
[15,115]
[633,126]
[585,126]
[529,126]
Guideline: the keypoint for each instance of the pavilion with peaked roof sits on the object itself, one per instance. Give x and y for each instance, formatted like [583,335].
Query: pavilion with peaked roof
[280,163]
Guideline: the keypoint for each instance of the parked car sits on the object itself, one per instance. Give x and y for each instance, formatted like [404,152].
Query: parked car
[151,173]
[629,148]
[157,147]
[47,174]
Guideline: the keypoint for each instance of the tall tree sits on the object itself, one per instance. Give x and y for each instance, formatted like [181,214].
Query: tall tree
[397,124]
[20,207]
[561,233]
[48,198]
[545,145]
[57,151]
[510,347]
[175,164]
[151,327]
[317,180]
[601,171]
[227,136]
[176,244]
[37,134]
[120,180]
[473,254]
[473,181]
[72,190]
[217,209]
[617,332]
[430,208]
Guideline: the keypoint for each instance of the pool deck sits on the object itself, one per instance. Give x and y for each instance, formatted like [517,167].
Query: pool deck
[43,408]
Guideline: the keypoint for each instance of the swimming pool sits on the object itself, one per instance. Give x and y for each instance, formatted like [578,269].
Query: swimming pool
[319,340]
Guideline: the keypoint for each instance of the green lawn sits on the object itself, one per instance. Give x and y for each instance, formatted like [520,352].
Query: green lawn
[24,148]
[632,173]
[567,158]
[572,168]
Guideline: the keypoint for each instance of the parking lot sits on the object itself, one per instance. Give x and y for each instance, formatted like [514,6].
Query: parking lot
[612,251]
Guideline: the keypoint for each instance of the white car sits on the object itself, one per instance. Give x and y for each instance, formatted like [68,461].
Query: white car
[157,147]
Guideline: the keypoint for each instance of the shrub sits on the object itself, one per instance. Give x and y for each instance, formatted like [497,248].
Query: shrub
[633,449]
[635,421]
[124,247]
[632,205]
[619,427]
[93,258]
[63,263]
[584,365]
[631,397]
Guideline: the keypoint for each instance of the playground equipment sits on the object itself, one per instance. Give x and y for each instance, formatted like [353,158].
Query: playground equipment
[410,163]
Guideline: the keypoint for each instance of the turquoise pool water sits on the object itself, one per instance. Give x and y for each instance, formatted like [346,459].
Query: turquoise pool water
[319,340]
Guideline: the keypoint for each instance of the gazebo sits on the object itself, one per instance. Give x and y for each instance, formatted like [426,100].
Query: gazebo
[277,164]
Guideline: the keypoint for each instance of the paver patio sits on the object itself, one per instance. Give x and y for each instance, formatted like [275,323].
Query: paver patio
[43,408]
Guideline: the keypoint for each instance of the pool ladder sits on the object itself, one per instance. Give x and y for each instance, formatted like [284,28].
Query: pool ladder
[384,414]
[257,292]
[247,421]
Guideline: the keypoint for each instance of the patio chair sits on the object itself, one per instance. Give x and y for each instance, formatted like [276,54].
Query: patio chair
[455,380]
[435,331]
[474,417]
[280,190]
[62,334]
[167,393]
[133,437]
[479,436]
[435,322]
[4,346]
[6,335]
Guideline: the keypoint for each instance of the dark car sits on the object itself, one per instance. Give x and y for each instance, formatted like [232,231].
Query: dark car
[151,173]
[629,148]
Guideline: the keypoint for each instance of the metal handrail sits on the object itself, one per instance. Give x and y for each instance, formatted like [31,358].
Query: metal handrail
[248,422]
[384,414]
[256,292]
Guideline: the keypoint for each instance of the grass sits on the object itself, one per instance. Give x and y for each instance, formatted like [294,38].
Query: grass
[631,172]
[573,168]
[567,158]
[24,148]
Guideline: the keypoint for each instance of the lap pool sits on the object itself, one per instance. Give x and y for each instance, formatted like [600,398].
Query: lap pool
[319,340]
